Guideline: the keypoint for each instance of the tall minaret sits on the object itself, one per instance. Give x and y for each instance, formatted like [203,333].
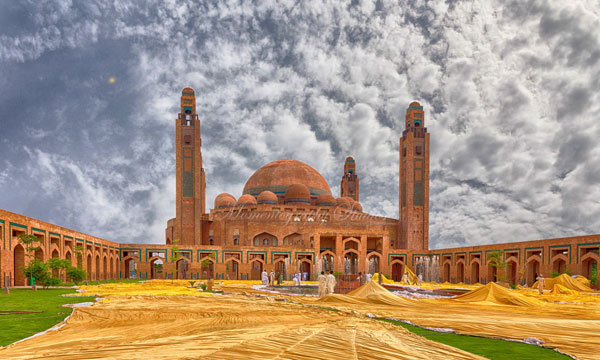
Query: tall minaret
[191,181]
[414,181]
[349,183]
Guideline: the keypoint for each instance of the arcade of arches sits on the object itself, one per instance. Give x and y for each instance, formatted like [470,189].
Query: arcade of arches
[340,252]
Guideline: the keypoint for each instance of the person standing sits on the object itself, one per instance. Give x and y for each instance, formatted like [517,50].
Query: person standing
[369,276]
[420,279]
[331,282]
[380,278]
[541,284]
[264,277]
[360,278]
[272,278]
[322,279]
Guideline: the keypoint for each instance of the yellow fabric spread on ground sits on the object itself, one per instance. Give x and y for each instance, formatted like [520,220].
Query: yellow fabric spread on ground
[370,292]
[384,279]
[228,327]
[585,281]
[572,328]
[559,289]
[567,281]
[154,287]
[497,295]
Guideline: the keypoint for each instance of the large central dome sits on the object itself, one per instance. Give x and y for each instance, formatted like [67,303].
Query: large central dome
[278,175]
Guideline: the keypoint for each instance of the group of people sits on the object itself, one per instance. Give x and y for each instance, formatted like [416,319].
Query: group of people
[327,283]
[418,281]
[270,278]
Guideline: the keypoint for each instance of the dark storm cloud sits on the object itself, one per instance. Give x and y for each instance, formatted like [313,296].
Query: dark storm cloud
[508,90]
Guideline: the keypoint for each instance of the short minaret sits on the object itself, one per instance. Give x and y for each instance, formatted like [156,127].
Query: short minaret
[349,183]
[191,181]
[413,204]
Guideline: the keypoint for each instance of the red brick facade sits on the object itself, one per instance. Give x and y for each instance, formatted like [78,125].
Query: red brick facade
[287,220]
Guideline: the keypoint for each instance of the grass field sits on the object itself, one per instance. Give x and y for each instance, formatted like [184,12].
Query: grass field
[493,349]
[14,327]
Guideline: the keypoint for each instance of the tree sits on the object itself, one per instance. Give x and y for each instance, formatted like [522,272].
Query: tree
[59,265]
[79,256]
[206,263]
[496,259]
[76,275]
[38,270]
[175,256]
[29,242]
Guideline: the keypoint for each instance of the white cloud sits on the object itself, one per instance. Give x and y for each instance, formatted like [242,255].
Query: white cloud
[510,95]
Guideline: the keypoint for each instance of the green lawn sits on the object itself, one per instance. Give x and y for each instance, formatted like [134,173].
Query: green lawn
[493,349]
[14,327]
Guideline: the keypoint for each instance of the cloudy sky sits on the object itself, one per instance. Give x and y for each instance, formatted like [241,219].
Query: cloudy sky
[510,90]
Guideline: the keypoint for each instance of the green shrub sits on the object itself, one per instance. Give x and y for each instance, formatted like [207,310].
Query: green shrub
[52,281]
[192,282]
[76,275]
[203,286]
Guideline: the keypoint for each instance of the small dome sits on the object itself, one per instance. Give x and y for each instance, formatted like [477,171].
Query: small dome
[297,193]
[326,200]
[246,199]
[414,103]
[343,202]
[357,206]
[224,200]
[267,197]
[188,90]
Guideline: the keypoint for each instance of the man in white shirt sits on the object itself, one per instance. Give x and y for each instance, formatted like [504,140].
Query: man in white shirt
[322,284]
[331,282]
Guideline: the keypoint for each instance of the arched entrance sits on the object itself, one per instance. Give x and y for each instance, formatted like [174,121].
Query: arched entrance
[112,269]
[533,269]
[19,262]
[89,267]
[97,269]
[373,263]
[104,268]
[130,268]
[233,268]
[492,273]
[460,271]
[39,255]
[511,271]
[305,269]
[474,272]
[280,269]
[351,262]
[55,256]
[156,268]
[590,267]
[256,269]
[327,261]
[207,268]
[559,264]
[447,271]
[182,268]
[397,270]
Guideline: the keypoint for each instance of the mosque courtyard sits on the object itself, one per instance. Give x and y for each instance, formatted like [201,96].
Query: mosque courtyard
[246,320]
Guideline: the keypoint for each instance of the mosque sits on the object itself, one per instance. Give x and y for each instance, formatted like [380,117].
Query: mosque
[287,220]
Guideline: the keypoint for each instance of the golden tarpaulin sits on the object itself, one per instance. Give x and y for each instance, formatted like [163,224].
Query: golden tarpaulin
[254,327]
[495,312]
[224,327]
